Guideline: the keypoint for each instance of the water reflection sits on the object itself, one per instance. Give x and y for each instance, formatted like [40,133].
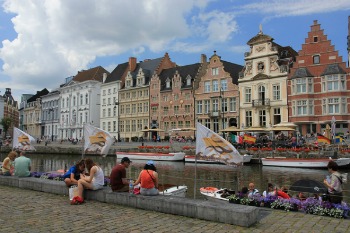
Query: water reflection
[179,173]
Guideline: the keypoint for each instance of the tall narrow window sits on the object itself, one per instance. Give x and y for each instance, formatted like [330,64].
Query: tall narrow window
[248,95]
[276,92]
[248,118]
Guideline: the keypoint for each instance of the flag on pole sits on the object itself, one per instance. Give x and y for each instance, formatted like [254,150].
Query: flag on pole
[249,139]
[338,139]
[323,139]
[211,146]
[237,139]
[96,140]
[22,140]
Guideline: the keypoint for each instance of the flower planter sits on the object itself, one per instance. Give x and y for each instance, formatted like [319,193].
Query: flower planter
[235,201]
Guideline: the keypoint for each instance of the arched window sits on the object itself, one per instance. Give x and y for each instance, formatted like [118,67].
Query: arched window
[316,59]
[81,99]
[87,98]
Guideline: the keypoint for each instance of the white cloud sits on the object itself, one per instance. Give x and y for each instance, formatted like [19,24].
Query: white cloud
[55,39]
[279,8]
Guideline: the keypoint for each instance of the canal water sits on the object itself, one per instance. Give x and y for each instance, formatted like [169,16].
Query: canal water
[180,173]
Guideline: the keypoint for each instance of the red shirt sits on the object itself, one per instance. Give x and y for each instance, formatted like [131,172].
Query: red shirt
[118,172]
[147,179]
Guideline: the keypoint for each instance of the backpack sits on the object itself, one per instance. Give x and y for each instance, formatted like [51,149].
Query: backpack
[343,178]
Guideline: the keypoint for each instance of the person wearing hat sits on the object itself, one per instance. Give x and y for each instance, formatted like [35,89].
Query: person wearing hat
[148,179]
[118,180]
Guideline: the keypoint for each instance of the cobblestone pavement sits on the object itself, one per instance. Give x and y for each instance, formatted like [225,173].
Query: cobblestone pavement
[31,211]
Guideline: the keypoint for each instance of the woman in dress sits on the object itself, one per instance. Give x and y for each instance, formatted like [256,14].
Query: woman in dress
[148,179]
[94,181]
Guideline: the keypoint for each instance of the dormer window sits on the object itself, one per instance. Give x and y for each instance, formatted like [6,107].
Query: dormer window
[140,79]
[167,83]
[188,81]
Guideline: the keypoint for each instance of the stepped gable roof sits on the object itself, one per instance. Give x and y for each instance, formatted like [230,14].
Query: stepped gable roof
[95,73]
[233,69]
[117,73]
[333,69]
[183,71]
[38,95]
[302,73]
[259,38]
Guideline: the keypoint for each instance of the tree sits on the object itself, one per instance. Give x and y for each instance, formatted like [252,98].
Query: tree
[6,124]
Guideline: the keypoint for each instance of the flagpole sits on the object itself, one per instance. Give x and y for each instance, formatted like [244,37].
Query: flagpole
[82,151]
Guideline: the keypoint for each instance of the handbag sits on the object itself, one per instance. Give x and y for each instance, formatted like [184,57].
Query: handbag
[73,191]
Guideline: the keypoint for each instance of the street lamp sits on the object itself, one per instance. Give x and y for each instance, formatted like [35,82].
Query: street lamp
[118,132]
[51,110]
[223,110]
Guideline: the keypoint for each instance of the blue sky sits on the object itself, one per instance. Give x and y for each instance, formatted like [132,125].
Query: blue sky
[43,42]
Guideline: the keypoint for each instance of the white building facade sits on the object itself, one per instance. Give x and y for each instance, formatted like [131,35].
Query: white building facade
[109,117]
[50,115]
[263,83]
[79,105]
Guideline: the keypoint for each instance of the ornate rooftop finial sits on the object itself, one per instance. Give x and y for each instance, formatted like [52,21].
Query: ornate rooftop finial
[260,29]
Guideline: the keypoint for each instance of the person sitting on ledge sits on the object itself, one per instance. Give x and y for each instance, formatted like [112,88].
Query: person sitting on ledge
[22,165]
[252,190]
[94,181]
[118,180]
[148,179]
[7,164]
[72,176]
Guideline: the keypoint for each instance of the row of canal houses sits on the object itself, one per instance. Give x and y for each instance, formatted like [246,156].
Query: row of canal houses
[276,86]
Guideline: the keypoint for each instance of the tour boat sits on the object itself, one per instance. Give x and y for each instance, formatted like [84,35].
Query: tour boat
[192,159]
[302,163]
[177,156]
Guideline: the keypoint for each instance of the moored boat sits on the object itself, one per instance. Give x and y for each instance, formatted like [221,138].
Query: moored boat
[174,190]
[213,194]
[303,163]
[192,159]
[177,156]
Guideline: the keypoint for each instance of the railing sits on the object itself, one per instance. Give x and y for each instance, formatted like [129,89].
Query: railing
[261,102]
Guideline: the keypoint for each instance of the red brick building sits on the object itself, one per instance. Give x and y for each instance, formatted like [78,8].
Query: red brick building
[171,99]
[319,86]
[11,110]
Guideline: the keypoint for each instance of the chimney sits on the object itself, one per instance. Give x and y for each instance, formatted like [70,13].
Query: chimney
[203,58]
[132,63]
[315,22]
[104,77]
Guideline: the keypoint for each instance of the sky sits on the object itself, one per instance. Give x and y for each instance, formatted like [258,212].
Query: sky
[45,41]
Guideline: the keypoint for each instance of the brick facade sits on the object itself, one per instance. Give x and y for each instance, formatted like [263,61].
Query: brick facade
[318,85]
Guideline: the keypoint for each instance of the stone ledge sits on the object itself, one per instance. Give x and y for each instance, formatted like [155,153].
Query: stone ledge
[216,211]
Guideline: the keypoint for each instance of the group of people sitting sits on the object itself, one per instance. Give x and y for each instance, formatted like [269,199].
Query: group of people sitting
[94,179]
[333,183]
[14,165]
